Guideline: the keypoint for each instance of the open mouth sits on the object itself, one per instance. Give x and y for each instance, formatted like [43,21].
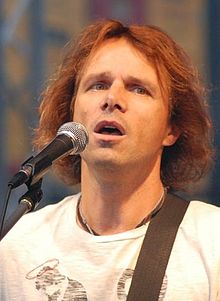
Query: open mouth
[109,128]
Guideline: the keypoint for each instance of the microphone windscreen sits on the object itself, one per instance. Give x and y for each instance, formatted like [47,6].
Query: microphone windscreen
[78,134]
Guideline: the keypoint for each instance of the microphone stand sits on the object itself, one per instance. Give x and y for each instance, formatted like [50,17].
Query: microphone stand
[28,202]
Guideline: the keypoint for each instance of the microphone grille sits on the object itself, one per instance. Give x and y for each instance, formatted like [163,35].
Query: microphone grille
[78,134]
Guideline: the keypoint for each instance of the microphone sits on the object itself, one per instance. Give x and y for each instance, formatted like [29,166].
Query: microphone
[71,139]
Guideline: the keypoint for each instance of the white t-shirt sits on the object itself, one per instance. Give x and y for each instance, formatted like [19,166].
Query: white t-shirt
[47,256]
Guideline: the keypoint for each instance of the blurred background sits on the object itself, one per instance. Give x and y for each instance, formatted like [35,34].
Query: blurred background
[32,36]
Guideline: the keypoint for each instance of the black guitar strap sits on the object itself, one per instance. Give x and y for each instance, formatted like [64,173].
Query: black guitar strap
[155,251]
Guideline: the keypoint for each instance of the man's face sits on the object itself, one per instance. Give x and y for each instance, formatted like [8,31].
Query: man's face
[120,103]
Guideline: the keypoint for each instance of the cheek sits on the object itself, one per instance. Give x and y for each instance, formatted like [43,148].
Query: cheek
[79,111]
[153,124]
[86,108]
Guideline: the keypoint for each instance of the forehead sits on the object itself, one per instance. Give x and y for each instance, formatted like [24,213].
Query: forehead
[119,56]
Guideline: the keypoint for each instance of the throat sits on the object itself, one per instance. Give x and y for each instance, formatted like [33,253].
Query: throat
[88,228]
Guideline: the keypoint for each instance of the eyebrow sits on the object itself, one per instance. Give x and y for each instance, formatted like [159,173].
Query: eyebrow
[144,82]
[96,76]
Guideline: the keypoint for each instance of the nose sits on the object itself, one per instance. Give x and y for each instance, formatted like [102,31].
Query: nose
[114,100]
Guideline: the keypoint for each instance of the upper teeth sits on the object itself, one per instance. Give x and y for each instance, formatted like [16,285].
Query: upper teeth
[109,127]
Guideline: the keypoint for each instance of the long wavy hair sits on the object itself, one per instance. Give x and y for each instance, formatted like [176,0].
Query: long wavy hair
[182,163]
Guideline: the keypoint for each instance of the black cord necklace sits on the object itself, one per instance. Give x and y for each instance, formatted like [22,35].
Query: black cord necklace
[86,226]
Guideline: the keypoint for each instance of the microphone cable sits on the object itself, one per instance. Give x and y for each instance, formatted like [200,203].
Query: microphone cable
[5,207]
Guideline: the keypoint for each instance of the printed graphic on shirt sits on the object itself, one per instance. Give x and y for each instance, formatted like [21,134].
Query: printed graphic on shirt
[124,284]
[163,289]
[51,283]
[58,287]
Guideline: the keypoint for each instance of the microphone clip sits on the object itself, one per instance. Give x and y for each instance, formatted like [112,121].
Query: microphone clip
[28,202]
[33,196]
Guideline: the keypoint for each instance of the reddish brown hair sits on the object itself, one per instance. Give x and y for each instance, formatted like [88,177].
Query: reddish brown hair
[189,158]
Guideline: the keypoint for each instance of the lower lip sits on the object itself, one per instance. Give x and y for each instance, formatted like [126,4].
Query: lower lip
[104,137]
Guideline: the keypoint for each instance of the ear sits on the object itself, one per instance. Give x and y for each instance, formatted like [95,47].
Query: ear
[171,136]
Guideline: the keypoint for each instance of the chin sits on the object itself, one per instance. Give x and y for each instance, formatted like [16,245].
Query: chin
[104,161]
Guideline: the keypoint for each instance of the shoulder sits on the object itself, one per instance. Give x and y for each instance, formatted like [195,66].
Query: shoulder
[43,219]
[201,223]
[200,212]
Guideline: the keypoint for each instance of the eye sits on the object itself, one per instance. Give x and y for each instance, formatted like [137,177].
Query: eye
[140,90]
[98,86]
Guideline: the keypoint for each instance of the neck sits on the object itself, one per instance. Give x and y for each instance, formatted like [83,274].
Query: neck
[118,202]
[84,224]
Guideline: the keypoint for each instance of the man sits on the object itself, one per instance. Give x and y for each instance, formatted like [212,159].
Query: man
[135,91]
